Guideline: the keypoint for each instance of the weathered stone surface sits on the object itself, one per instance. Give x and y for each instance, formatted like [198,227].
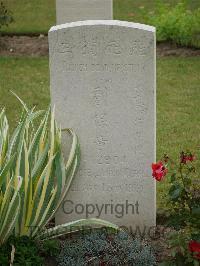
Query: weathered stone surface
[103,86]
[78,10]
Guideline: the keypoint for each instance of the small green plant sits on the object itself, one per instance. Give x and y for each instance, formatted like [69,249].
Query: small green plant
[184,251]
[99,247]
[32,164]
[34,178]
[26,251]
[184,187]
[50,247]
[10,200]
[184,205]
[177,24]
[184,191]
[5,15]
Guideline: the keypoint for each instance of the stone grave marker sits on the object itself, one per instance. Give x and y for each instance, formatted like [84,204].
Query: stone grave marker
[103,85]
[78,10]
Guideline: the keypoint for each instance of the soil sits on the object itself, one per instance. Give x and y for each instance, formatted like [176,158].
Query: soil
[24,46]
[38,46]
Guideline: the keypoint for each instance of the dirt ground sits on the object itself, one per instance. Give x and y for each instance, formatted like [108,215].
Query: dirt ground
[38,46]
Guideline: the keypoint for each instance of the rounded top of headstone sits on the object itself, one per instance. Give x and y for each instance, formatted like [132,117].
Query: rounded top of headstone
[103,23]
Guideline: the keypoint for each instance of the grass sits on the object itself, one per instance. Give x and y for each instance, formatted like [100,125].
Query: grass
[37,16]
[28,78]
[178,98]
[31,16]
[178,120]
[133,10]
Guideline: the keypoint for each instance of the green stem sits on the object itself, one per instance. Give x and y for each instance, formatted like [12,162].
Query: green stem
[186,193]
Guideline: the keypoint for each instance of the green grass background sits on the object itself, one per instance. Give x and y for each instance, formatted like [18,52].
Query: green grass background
[37,16]
[178,100]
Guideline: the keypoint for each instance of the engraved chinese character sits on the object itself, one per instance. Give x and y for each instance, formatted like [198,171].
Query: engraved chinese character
[113,47]
[100,120]
[99,95]
[89,47]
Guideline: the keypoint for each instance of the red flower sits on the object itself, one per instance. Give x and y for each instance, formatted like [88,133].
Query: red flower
[158,170]
[184,157]
[194,247]
[191,158]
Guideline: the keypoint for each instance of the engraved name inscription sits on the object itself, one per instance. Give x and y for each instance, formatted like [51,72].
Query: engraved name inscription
[107,67]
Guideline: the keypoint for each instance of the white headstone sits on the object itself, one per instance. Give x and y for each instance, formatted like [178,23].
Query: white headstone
[78,10]
[103,81]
